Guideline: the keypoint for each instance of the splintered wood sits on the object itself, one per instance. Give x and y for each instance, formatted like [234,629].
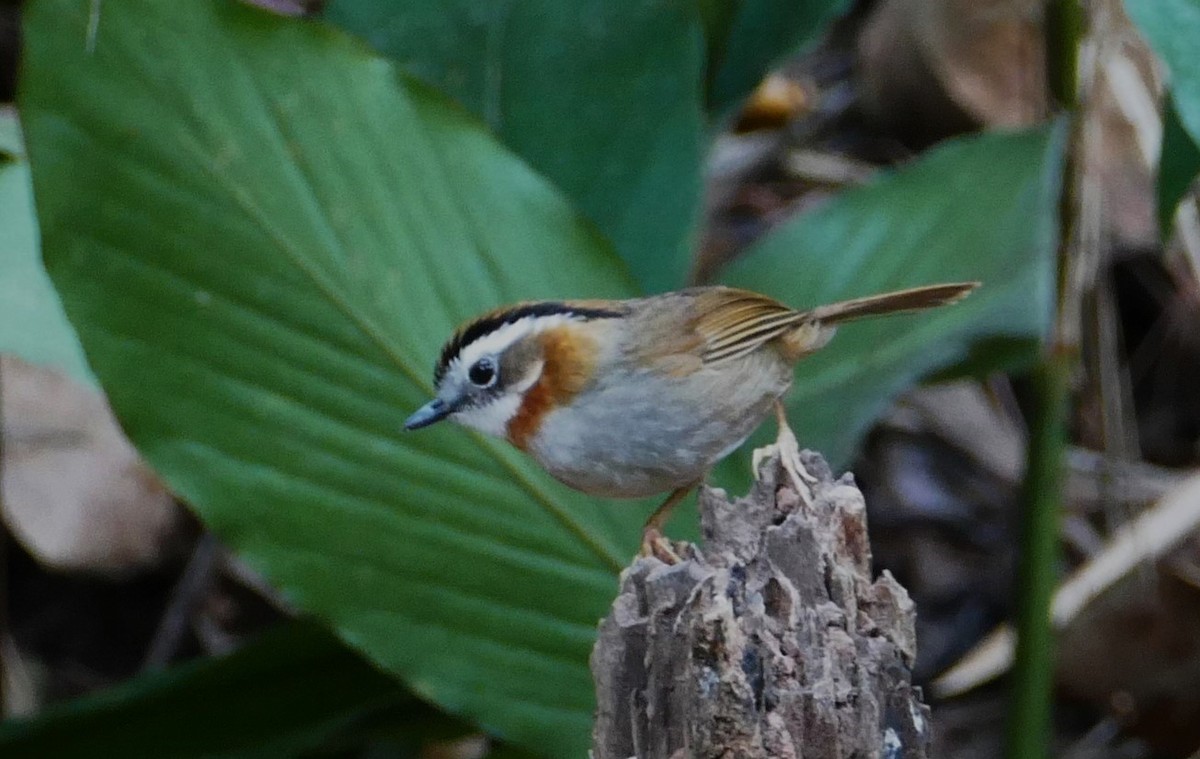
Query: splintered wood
[770,641]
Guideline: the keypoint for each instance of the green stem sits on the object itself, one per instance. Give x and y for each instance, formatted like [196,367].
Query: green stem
[1033,670]
[1064,30]
[1031,706]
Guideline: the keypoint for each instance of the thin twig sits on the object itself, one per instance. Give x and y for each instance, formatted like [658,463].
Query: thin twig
[193,582]
[1145,540]
[3,564]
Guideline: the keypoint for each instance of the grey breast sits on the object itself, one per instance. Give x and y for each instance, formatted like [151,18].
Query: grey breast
[639,430]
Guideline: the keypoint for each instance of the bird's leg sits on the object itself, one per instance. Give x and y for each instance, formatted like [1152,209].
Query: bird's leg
[789,455]
[653,542]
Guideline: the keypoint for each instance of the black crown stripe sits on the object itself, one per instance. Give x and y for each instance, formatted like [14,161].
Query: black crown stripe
[490,322]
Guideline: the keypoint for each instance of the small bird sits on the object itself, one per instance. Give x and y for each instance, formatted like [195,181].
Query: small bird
[628,398]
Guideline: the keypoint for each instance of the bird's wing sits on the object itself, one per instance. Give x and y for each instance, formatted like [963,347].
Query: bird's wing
[732,323]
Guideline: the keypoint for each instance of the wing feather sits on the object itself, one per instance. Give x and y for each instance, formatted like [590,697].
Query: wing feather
[732,322]
[727,323]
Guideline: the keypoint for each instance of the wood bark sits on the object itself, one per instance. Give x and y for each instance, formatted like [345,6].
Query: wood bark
[771,640]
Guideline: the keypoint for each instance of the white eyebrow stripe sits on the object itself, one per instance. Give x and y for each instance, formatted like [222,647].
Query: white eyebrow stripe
[497,341]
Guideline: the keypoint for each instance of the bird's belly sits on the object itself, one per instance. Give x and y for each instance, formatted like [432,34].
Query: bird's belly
[636,438]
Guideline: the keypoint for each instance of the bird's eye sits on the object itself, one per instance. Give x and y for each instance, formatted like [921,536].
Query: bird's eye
[482,372]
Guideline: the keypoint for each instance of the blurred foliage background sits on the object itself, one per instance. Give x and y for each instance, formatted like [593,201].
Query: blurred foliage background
[233,236]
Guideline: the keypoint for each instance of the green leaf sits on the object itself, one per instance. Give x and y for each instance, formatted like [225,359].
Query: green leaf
[32,323]
[981,208]
[1172,27]
[1177,166]
[11,145]
[747,38]
[263,234]
[604,100]
[292,690]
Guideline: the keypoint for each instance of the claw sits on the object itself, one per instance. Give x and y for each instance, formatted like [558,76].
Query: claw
[788,449]
[654,544]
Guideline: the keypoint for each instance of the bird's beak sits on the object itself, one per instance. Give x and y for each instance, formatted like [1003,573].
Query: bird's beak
[434,411]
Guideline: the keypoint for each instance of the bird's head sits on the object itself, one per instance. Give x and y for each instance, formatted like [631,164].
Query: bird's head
[491,363]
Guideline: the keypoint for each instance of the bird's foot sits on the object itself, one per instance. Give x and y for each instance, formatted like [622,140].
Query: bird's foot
[788,449]
[656,545]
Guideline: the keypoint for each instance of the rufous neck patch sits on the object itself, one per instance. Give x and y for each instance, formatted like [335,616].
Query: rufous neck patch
[569,357]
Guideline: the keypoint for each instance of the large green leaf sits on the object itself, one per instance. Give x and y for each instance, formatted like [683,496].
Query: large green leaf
[1172,27]
[1177,166]
[32,323]
[982,208]
[747,37]
[601,96]
[262,234]
[290,691]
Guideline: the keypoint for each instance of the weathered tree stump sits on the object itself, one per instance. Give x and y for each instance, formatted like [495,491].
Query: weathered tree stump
[770,641]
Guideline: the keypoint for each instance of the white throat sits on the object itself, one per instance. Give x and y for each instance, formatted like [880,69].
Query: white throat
[492,418]
[495,416]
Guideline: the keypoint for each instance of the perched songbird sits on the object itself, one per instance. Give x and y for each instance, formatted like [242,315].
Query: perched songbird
[624,399]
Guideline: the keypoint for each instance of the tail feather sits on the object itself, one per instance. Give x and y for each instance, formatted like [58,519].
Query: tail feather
[914,299]
[743,321]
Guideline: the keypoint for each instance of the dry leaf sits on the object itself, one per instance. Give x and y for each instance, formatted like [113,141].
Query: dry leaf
[75,492]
